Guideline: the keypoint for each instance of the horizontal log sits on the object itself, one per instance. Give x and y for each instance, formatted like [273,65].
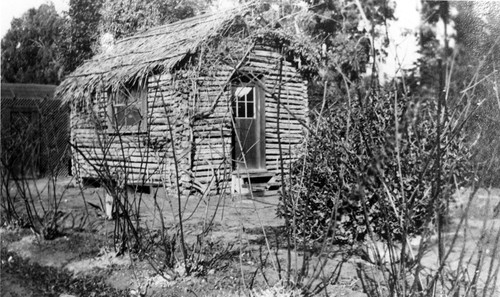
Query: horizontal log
[273,79]
[136,156]
[206,143]
[212,132]
[287,93]
[128,170]
[219,178]
[289,103]
[289,137]
[215,166]
[263,63]
[285,116]
[210,121]
[284,145]
[287,76]
[271,124]
[285,102]
[217,160]
[211,154]
[294,88]
[265,53]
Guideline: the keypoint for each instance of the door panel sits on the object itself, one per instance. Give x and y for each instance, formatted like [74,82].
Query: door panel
[249,149]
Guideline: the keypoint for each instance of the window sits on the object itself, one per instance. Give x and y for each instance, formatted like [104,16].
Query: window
[244,105]
[128,109]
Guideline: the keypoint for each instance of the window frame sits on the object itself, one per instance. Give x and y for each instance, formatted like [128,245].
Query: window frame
[245,102]
[139,96]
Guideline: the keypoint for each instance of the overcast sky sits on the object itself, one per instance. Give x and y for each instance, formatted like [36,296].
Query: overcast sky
[16,8]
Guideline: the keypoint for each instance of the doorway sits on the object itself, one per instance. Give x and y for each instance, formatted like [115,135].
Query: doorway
[249,145]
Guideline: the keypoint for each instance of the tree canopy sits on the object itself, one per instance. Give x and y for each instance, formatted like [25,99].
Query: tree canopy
[80,31]
[124,17]
[30,49]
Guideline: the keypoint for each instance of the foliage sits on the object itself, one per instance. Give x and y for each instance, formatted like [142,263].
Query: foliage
[476,70]
[123,18]
[329,37]
[341,27]
[430,48]
[80,32]
[472,62]
[351,178]
[30,47]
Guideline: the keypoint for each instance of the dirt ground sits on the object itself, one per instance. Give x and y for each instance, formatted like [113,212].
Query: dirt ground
[84,261]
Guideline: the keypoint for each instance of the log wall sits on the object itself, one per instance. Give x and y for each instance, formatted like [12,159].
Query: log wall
[145,157]
[293,107]
[212,136]
[212,163]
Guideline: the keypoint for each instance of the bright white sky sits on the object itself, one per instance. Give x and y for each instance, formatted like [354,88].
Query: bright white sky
[403,46]
[10,9]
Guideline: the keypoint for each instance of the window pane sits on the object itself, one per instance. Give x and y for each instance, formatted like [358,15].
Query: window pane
[133,116]
[244,101]
[120,114]
[250,96]
[128,108]
[240,112]
[250,110]
[242,91]
[127,116]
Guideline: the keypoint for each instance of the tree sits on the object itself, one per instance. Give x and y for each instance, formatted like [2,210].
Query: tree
[122,18]
[30,47]
[472,65]
[476,71]
[81,36]
[343,34]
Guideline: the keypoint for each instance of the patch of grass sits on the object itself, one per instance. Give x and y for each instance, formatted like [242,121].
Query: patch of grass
[12,235]
[49,281]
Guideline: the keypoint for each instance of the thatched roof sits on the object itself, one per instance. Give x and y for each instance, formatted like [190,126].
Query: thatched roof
[27,91]
[135,57]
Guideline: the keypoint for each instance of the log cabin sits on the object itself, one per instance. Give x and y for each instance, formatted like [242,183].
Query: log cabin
[206,104]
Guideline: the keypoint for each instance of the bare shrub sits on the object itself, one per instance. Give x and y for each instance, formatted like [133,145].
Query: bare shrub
[35,146]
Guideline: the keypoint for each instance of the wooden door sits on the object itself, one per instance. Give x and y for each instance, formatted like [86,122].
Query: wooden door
[249,147]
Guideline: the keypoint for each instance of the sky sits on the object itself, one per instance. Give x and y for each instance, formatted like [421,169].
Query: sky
[403,46]
[16,8]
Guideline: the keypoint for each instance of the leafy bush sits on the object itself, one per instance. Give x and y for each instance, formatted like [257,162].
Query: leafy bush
[373,166]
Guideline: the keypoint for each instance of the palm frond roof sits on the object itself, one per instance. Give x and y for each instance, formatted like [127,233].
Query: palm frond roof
[131,59]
